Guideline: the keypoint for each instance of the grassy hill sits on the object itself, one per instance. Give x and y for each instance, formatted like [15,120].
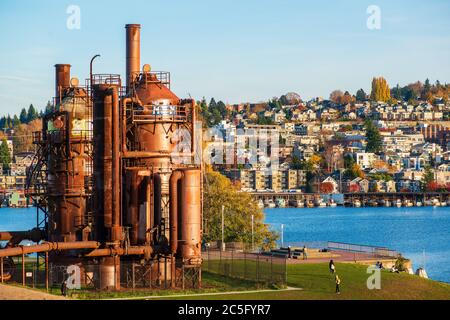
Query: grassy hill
[318,284]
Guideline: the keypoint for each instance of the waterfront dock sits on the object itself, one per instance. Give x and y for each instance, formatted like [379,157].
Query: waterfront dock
[366,199]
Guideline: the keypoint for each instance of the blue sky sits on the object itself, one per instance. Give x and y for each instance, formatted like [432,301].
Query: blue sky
[236,51]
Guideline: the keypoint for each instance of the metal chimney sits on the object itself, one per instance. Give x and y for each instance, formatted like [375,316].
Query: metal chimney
[133,52]
[62,79]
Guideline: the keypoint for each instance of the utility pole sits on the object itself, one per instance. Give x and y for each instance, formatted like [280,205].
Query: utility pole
[223,227]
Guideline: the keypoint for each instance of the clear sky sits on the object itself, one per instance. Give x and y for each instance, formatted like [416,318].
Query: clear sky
[235,51]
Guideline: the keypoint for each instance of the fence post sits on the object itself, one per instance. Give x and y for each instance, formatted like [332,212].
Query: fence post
[46,271]
[23,269]
[245,265]
[257,269]
[232,262]
[1,268]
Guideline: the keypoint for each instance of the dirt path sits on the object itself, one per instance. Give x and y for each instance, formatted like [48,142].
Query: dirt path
[17,293]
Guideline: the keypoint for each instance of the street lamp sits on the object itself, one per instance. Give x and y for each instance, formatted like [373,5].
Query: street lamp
[282,235]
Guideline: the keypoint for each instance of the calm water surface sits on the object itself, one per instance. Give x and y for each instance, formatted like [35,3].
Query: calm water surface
[411,231]
[421,234]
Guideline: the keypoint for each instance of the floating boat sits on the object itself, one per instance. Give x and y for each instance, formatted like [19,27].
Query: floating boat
[398,204]
[443,204]
[299,203]
[280,203]
[310,204]
[419,204]
[332,204]
[260,204]
[357,204]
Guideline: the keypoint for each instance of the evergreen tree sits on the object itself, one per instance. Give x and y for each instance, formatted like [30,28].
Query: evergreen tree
[32,113]
[361,95]
[23,116]
[16,121]
[374,141]
[5,156]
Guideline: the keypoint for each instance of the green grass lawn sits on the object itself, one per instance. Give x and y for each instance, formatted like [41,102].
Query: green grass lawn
[313,281]
[318,284]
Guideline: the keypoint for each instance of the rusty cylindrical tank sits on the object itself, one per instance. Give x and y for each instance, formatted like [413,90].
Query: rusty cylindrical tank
[190,236]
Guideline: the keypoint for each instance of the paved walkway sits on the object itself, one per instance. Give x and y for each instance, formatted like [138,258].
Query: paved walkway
[206,294]
[342,256]
[17,293]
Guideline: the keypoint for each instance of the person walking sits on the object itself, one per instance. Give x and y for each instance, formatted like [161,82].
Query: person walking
[338,284]
[305,253]
[332,267]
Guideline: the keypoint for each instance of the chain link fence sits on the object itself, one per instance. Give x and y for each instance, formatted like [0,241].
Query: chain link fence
[262,268]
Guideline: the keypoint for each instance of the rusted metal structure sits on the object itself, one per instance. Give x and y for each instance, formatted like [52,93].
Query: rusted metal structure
[110,180]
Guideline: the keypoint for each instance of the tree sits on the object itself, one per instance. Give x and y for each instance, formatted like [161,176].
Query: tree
[5,156]
[239,208]
[32,113]
[361,95]
[23,116]
[326,187]
[380,90]
[427,179]
[336,96]
[374,140]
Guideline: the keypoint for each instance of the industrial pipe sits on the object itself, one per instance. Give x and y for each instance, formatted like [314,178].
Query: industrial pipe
[16,237]
[116,231]
[174,209]
[153,154]
[118,251]
[48,246]
[133,53]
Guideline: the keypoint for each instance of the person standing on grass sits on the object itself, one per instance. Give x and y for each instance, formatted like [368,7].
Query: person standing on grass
[332,267]
[338,283]
[305,253]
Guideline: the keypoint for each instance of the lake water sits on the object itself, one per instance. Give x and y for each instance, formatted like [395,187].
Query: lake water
[421,234]
[411,231]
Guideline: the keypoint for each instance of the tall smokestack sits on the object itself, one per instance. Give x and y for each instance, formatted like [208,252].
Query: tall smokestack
[133,52]
[62,79]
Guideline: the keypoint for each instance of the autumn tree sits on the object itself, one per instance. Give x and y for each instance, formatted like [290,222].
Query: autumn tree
[239,209]
[427,179]
[380,90]
[336,96]
[326,187]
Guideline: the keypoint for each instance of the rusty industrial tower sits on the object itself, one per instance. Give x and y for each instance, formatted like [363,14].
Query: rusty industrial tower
[111,184]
